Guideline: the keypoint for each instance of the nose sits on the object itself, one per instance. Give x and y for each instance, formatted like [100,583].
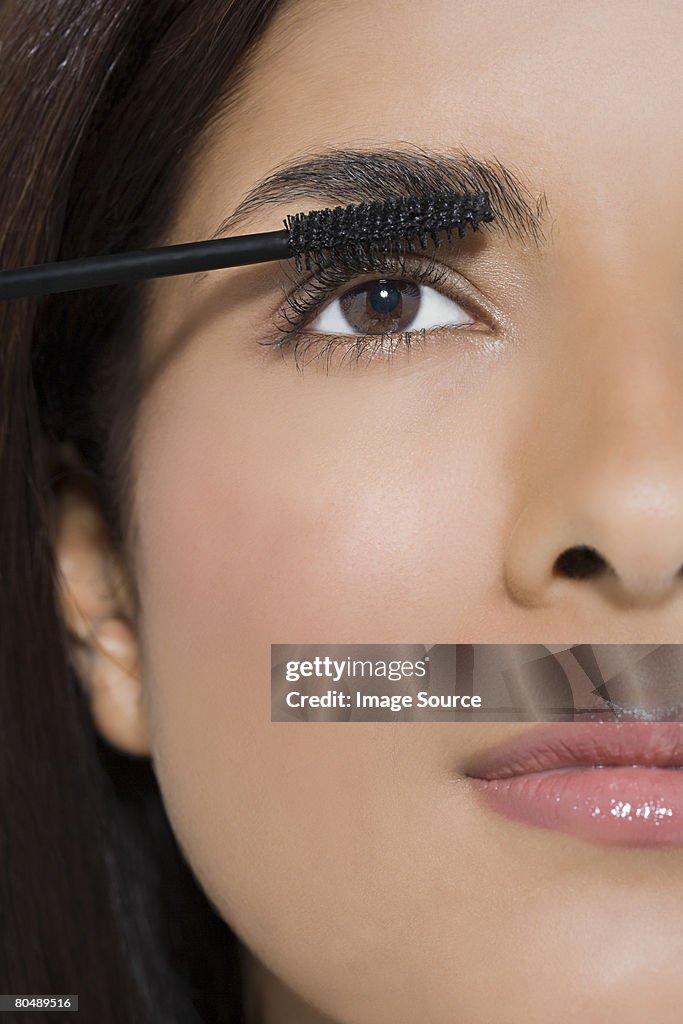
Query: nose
[601,509]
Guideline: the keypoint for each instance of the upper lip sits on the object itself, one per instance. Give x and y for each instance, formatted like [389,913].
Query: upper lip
[544,748]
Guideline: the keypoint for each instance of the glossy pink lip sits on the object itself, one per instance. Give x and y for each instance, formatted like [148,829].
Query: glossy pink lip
[609,782]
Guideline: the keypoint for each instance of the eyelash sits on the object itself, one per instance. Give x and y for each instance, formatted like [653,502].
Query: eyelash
[339,268]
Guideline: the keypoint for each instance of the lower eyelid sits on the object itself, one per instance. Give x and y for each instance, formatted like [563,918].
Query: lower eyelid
[353,349]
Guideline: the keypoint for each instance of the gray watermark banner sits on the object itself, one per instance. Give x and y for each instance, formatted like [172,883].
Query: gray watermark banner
[476,682]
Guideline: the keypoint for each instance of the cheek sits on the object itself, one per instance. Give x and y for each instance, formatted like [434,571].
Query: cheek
[261,523]
[353,520]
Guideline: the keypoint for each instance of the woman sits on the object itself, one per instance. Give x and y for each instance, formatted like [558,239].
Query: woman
[198,467]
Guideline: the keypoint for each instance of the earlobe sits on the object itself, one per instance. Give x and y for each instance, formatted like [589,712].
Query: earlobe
[115,688]
[96,610]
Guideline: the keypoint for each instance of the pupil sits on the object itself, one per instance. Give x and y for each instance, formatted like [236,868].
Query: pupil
[384,297]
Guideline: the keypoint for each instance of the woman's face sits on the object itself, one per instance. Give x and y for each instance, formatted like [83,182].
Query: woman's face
[421,494]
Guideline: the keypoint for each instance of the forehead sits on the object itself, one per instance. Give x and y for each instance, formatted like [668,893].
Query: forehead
[581,95]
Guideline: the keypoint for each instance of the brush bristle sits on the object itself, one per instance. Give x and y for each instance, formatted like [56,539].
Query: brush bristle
[378,226]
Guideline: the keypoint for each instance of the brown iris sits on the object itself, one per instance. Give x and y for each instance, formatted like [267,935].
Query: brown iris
[381,307]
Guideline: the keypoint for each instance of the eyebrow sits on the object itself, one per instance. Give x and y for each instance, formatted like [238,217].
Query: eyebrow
[341,176]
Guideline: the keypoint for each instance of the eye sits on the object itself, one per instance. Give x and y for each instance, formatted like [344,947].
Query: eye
[388,306]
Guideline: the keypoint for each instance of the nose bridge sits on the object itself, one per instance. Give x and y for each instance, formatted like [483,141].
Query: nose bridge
[631,422]
[603,508]
[628,367]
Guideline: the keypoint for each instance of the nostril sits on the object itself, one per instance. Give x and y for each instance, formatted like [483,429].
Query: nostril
[579,562]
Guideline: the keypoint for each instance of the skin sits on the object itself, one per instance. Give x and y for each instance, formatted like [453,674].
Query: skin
[424,498]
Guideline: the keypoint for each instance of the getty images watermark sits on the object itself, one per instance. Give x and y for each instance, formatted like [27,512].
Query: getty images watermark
[482,682]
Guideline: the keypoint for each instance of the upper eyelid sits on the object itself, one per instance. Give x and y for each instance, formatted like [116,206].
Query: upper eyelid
[464,292]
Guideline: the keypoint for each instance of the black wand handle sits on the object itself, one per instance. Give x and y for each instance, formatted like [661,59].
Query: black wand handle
[127,267]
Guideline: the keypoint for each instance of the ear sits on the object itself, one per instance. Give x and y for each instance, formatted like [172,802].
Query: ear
[97,610]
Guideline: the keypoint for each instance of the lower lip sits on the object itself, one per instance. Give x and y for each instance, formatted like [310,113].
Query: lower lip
[630,806]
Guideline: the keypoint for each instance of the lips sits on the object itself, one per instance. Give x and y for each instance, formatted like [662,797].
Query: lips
[606,782]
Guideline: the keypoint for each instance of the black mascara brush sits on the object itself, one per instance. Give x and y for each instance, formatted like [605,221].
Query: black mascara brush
[306,237]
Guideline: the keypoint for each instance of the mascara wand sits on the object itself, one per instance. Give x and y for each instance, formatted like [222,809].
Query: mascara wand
[374,226]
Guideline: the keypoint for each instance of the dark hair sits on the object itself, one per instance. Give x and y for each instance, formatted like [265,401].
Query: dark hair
[102,106]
